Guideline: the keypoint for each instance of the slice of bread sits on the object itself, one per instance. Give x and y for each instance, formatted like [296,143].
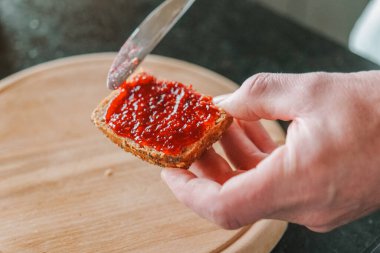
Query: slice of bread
[182,160]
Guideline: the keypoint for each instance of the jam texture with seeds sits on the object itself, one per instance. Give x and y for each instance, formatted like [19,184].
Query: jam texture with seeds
[163,115]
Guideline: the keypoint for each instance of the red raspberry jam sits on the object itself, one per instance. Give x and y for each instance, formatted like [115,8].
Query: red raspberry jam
[164,115]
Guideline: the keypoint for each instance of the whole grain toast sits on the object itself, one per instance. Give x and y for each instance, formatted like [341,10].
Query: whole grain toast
[182,160]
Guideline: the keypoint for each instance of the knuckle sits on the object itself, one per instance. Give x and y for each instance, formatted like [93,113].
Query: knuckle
[257,84]
[220,216]
[229,224]
[320,222]
[316,83]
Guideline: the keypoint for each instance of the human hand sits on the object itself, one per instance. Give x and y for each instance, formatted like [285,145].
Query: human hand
[327,173]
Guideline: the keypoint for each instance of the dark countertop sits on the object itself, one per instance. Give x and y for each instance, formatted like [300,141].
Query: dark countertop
[233,38]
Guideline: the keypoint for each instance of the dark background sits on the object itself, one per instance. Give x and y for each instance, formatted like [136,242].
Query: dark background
[236,38]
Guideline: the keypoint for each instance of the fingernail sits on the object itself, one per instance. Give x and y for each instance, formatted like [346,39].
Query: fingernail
[163,175]
[218,99]
[168,174]
[224,104]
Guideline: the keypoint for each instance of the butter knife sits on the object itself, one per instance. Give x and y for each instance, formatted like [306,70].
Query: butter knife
[144,39]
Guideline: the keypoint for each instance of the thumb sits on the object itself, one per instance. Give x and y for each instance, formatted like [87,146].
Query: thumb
[272,96]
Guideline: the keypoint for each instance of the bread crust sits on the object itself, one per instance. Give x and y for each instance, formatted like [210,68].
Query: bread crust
[182,160]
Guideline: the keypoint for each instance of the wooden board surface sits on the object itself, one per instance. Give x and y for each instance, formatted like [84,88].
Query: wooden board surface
[64,187]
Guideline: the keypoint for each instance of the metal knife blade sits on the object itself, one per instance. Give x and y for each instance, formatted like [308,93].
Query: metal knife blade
[144,39]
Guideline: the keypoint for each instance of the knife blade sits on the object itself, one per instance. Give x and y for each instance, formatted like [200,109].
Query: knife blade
[144,39]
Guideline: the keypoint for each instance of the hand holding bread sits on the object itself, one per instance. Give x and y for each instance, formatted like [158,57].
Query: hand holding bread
[327,174]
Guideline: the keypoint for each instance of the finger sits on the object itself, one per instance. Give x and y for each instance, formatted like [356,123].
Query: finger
[274,96]
[212,166]
[259,193]
[240,150]
[199,194]
[258,135]
[242,200]
[203,196]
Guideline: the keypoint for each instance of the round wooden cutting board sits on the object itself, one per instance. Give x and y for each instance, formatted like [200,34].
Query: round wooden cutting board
[64,187]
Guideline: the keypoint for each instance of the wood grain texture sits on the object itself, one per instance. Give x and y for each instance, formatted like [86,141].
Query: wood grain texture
[65,188]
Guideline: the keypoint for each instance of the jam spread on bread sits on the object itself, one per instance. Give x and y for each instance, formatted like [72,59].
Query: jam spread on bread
[164,115]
